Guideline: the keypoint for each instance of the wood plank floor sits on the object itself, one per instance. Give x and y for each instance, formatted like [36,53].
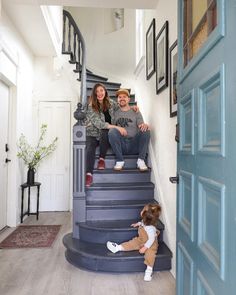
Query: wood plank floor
[46,271]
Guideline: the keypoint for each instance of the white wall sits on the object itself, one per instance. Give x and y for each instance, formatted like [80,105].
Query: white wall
[155,109]
[20,115]
[110,54]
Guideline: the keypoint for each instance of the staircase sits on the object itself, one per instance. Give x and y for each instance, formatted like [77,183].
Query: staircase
[111,205]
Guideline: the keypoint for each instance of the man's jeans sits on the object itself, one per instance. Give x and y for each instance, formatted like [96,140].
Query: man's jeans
[122,145]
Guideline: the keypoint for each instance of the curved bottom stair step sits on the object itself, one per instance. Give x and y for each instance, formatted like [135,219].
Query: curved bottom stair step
[113,230]
[97,257]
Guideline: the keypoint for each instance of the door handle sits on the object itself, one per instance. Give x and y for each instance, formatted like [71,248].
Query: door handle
[174,179]
[7,160]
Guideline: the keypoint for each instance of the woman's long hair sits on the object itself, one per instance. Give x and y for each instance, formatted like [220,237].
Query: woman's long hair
[97,107]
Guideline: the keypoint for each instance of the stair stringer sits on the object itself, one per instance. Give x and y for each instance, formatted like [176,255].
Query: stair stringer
[169,235]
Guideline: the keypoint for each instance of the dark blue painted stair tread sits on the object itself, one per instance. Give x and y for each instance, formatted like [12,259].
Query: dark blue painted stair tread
[115,225]
[117,186]
[94,76]
[117,204]
[108,89]
[107,83]
[111,155]
[123,171]
[101,251]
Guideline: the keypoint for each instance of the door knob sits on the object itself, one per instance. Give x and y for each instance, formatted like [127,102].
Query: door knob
[7,160]
[174,179]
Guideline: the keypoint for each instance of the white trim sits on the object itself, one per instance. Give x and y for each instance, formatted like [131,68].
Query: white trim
[140,66]
[53,32]
[159,196]
[8,73]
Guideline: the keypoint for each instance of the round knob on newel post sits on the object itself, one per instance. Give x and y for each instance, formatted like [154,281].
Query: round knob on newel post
[79,114]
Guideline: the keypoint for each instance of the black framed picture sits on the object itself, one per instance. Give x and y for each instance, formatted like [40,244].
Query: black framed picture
[173,78]
[161,46]
[150,50]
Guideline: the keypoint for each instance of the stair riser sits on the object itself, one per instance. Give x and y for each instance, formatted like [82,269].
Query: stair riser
[96,78]
[132,99]
[121,177]
[132,194]
[93,235]
[129,163]
[110,92]
[115,265]
[116,86]
[113,213]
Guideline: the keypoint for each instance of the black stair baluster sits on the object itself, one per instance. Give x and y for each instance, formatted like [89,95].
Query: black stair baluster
[69,38]
[64,34]
[79,64]
[74,49]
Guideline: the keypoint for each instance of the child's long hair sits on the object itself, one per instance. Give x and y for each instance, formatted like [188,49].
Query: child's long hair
[94,101]
[151,213]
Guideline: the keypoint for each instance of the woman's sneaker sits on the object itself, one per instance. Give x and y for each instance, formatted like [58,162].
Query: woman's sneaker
[88,180]
[119,165]
[141,165]
[101,164]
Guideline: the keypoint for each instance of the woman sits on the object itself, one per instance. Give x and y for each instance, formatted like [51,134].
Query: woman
[99,113]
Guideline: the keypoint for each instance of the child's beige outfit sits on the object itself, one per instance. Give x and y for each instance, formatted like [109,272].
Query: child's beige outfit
[147,236]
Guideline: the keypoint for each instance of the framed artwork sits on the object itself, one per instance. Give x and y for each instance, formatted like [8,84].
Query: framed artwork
[161,46]
[150,50]
[173,78]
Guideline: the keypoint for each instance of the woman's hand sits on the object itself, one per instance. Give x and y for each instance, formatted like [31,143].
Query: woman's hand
[135,109]
[143,250]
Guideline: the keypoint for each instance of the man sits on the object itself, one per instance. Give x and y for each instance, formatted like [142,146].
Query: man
[135,135]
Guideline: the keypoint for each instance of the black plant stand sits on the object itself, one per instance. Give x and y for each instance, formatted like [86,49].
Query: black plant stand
[23,186]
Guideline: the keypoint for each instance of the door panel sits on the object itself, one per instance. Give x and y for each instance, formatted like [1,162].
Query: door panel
[4,101]
[54,172]
[206,207]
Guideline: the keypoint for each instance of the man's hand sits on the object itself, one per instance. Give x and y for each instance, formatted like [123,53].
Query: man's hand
[122,131]
[143,250]
[144,127]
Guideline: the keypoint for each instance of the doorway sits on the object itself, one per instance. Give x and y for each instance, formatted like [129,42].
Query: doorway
[4,113]
[54,172]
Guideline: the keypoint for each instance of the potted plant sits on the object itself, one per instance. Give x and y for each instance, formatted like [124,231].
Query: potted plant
[32,156]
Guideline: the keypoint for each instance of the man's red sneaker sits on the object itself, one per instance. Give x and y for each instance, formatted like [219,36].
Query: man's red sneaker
[101,164]
[89,180]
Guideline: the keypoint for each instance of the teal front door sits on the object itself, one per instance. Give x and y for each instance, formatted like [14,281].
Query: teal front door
[206,210]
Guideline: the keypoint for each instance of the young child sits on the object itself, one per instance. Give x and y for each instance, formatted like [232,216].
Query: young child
[146,242]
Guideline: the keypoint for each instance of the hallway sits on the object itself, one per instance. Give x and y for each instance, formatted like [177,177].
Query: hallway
[46,271]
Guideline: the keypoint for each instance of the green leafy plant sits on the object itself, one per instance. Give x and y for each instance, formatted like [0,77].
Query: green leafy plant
[33,155]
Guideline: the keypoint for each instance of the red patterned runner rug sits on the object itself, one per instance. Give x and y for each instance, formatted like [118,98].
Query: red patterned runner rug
[31,236]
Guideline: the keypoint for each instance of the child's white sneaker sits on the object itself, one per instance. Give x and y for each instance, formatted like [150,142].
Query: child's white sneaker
[119,165]
[113,247]
[141,165]
[148,275]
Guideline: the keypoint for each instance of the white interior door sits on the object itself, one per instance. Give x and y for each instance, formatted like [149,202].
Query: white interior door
[4,100]
[54,171]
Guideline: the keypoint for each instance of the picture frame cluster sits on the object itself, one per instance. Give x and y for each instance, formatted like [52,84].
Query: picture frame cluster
[162,60]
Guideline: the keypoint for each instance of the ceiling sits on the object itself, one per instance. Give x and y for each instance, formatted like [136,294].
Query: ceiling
[27,17]
[30,23]
[138,4]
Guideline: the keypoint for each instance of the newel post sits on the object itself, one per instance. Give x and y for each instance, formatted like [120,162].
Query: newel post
[79,144]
